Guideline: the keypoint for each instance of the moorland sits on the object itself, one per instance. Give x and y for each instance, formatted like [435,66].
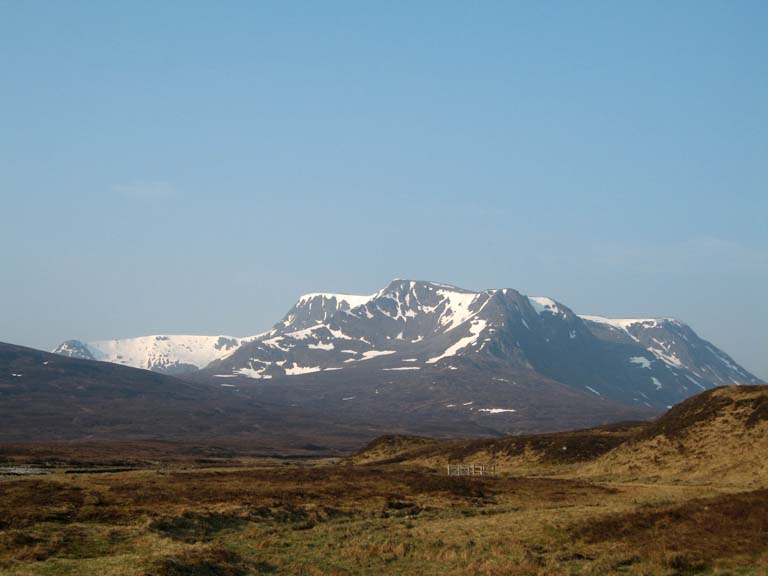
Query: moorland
[685,494]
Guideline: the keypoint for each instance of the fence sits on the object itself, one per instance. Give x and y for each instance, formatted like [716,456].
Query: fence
[471,469]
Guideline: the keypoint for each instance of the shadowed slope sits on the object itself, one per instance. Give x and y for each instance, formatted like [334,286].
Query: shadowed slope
[50,398]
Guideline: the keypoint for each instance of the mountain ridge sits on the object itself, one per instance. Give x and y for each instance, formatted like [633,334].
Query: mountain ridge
[434,329]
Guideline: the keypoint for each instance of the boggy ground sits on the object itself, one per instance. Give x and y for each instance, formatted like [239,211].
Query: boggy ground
[334,518]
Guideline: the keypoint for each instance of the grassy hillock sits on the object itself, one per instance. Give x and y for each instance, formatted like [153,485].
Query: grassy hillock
[510,454]
[718,436]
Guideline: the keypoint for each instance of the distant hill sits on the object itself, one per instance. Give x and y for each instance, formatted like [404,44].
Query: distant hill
[717,436]
[50,398]
[66,398]
[47,397]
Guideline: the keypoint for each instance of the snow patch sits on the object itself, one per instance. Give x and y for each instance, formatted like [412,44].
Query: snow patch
[625,323]
[699,384]
[642,360]
[456,308]
[254,373]
[320,346]
[665,356]
[295,370]
[476,328]
[375,353]
[543,304]
[403,368]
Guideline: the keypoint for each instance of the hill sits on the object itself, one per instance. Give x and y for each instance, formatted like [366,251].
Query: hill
[514,454]
[51,398]
[47,398]
[718,436]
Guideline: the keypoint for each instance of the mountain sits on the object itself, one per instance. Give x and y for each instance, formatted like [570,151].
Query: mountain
[428,328]
[425,357]
[167,354]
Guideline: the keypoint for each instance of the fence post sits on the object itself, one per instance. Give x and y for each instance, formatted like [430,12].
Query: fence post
[470,469]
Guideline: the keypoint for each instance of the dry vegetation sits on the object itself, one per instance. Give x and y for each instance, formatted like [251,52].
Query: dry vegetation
[544,453]
[560,513]
[331,519]
[720,436]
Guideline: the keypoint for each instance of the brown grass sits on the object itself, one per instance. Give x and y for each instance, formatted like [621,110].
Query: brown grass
[215,561]
[351,520]
[689,536]
[171,521]
[718,437]
[684,496]
[538,453]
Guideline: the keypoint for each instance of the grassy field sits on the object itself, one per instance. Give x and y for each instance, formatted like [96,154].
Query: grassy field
[280,517]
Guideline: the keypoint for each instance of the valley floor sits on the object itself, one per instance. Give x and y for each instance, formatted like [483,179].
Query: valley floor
[327,517]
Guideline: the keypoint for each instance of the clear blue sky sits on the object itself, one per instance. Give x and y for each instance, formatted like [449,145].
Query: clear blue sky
[192,167]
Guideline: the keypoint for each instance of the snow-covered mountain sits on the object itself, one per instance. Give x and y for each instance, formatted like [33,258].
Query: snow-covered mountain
[169,354]
[423,326]
[415,331]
